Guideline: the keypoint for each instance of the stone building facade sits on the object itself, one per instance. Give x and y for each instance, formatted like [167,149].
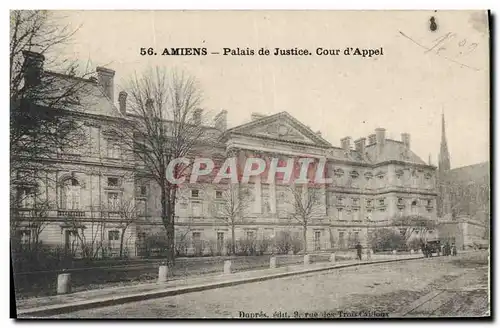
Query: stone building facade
[374,179]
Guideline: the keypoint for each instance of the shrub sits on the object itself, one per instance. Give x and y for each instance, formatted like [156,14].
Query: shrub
[263,245]
[283,242]
[386,239]
[297,244]
[246,246]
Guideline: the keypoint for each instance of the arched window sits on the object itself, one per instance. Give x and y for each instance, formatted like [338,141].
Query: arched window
[70,194]
[414,208]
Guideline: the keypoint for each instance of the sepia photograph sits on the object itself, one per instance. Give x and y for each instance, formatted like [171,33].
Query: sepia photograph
[250,164]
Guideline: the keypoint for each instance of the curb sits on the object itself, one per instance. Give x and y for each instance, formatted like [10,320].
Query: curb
[108,301]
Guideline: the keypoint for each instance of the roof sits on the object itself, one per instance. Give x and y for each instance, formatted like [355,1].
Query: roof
[392,150]
[269,126]
[470,173]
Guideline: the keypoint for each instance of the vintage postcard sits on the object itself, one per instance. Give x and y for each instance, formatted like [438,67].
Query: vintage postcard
[250,164]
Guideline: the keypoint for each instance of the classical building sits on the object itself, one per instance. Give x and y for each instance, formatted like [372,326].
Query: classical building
[373,180]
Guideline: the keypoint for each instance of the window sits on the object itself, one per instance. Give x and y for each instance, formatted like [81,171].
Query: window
[381,202]
[26,197]
[341,240]
[368,175]
[429,203]
[414,208]
[71,240]
[143,191]
[317,240]
[250,234]
[338,172]
[369,203]
[195,193]
[220,242]
[70,198]
[114,150]
[340,201]
[196,236]
[355,201]
[25,236]
[218,194]
[355,214]
[356,236]
[113,235]
[141,207]
[354,174]
[113,182]
[113,200]
[196,209]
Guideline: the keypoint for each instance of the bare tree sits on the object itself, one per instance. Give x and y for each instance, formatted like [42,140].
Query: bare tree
[231,207]
[413,223]
[31,214]
[165,124]
[124,214]
[40,126]
[42,101]
[305,205]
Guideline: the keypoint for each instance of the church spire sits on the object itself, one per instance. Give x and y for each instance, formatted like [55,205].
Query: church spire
[444,155]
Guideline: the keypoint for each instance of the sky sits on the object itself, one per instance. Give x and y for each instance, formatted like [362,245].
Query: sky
[421,74]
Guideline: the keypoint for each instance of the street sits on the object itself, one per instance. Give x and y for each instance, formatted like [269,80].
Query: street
[440,286]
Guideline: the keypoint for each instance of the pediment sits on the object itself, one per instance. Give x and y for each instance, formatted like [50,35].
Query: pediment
[282,127]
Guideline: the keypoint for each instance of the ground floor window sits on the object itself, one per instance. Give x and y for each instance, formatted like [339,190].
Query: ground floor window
[317,240]
[220,242]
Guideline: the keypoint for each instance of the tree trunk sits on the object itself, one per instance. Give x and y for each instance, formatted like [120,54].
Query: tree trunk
[304,232]
[233,242]
[121,242]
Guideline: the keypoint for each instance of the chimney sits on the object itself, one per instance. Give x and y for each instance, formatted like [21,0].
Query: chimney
[105,77]
[380,136]
[346,143]
[221,121]
[257,116]
[359,145]
[318,133]
[122,101]
[33,67]
[405,138]
[372,139]
[197,116]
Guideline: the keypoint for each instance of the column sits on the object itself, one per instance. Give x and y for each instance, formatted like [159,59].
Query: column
[272,198]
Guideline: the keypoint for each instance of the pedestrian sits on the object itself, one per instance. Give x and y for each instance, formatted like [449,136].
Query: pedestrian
[359,249]
[453,249]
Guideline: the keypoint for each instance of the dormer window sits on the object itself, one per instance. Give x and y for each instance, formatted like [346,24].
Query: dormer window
[381,202]
[354,174]
[338,172]
[399,173]
[368,175]
[428,176]
[369,203]
[195,193]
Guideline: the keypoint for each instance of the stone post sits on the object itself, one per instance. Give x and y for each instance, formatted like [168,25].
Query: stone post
[64,283]
[162,273]
[307,259]
[227,267]
[332,257]
[272,262]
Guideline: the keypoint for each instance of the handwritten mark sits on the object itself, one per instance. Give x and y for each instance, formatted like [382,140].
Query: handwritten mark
[440,41]
[433,27]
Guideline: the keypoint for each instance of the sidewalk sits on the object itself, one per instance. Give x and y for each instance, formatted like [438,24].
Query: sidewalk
[44,306]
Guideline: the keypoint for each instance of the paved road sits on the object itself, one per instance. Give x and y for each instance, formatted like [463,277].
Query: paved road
[446,286]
